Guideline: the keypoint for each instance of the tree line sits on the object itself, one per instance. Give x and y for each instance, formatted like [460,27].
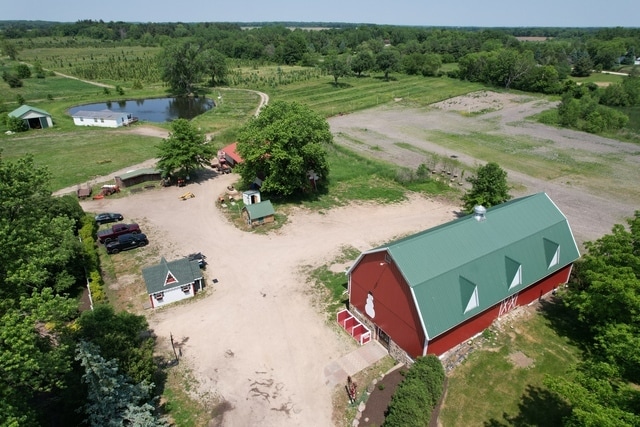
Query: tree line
[61,366]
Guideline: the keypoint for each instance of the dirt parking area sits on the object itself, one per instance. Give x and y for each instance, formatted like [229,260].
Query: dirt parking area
[255,339]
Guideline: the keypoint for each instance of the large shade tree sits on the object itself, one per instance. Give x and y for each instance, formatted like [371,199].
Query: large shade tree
[183,65]
[336,66]
[285,146]
[387,61]
[185,150]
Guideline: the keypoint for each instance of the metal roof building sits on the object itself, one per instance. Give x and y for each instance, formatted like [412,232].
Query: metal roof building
[430,291]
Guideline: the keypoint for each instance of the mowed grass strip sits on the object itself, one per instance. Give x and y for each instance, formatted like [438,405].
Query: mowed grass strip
[76,157]
[492,389]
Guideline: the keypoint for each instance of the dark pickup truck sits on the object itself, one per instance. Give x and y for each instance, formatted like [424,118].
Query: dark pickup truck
[111,234]
[126,242]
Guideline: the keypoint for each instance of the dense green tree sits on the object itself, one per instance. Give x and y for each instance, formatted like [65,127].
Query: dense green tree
[9,49]
[336,66]
[511,66]
[543,79]
[38,250]
[283,146]
[596,396]
[387,61]
[582,65]
[432,64]
[430,372]
[183,65]
[185,150]
[362,61]
[23,71]
[34,359]
[113,400]
[12,80]
[604,296]
[489,187]
[294,47]
[569,111]
[473,67]
[122,337]
[413,63]
[216,66]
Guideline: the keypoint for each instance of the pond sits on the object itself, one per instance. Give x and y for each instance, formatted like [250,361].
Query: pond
[156,110]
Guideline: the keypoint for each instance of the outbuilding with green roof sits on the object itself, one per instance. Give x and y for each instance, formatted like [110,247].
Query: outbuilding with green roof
[431,291]
[259,213]
[172,281]
[34,117]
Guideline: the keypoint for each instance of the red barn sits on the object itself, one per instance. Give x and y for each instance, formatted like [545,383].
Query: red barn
[431,291]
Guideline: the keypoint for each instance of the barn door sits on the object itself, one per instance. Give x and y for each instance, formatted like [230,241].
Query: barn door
[383,338]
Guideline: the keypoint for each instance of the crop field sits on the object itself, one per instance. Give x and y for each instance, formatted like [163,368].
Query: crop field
[115,64]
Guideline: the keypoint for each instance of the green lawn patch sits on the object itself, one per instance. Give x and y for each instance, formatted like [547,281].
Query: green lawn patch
[506,375]
[75,157]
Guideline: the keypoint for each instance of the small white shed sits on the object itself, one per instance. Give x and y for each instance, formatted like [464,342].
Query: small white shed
[104,118]
[251,197]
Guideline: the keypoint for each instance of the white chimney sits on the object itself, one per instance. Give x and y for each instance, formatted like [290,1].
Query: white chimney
[479,212]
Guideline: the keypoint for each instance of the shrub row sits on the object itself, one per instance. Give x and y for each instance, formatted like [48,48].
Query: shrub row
[92,260]
[413,401]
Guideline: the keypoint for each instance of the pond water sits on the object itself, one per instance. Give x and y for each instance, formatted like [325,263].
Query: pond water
[157,110]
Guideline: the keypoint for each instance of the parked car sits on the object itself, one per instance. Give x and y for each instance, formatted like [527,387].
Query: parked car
[200,257]
[107,217]
[126,242]
[110,234]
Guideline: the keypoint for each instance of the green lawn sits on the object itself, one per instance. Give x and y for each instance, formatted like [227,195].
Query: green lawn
[76,157]
[489,389]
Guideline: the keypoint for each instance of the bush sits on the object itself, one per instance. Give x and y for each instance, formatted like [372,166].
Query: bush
[409,405]
[23,71]
[12,80]
[16,124]
[417,394]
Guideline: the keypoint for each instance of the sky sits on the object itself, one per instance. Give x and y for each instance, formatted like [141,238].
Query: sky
[450,13]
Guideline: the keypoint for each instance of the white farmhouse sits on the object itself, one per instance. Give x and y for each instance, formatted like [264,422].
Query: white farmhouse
[104,118]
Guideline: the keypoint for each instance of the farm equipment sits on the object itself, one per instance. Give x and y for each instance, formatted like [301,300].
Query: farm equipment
[187,195]
[106,190]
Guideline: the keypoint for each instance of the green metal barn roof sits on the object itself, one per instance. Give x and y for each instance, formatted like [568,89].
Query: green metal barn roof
[463,267]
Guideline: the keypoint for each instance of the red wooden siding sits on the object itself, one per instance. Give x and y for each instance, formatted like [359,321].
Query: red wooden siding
[479,323]
[395,311]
